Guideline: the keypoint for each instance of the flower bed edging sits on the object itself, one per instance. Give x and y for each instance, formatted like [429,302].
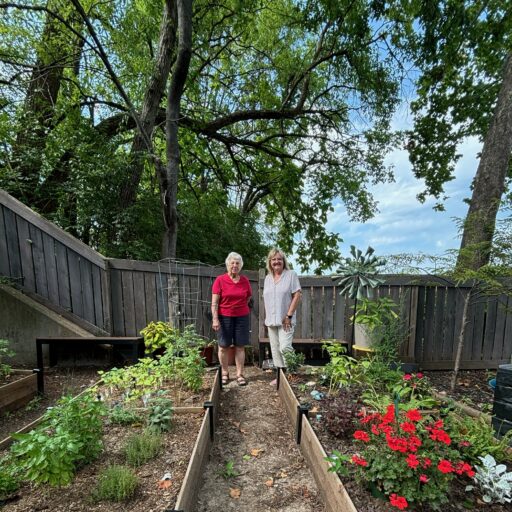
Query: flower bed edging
[334,494]
[193,477]
[18,393]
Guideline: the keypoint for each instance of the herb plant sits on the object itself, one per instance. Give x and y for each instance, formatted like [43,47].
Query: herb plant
[124,416]
[68,436]
[160,412]
[116,483]
[142,447]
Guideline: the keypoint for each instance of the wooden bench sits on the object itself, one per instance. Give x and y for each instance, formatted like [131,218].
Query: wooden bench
[311,343]
[135,343]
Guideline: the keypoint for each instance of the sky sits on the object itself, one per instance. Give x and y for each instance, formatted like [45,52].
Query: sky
[403,224]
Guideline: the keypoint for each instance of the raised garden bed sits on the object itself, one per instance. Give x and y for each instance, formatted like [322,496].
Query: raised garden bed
[362,498]
[17,390]
[184,451]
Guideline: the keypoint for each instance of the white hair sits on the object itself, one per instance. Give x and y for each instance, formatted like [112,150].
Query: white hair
[234,256]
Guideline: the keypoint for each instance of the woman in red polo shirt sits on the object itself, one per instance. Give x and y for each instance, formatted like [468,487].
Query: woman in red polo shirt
[231,293]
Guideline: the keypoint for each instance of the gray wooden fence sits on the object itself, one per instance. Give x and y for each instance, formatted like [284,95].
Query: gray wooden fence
[119,297]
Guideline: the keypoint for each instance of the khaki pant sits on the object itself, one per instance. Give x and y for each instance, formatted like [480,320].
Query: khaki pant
[280,342]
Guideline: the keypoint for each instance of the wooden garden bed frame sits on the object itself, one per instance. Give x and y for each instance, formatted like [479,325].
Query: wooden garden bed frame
[18,393]
[334,494]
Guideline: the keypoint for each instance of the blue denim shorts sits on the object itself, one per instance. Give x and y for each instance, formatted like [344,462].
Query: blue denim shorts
[234,330]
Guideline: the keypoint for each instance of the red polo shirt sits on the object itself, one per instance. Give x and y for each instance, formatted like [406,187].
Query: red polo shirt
[233,296]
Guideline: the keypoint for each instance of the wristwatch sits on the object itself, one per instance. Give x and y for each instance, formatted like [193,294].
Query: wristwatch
[289,316]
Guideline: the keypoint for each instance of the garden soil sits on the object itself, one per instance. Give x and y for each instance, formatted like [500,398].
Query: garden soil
[256,440]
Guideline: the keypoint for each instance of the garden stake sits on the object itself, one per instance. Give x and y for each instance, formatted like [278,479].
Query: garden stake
[220,376]
[40,380]
[209,405]
[302,410]
[278,378]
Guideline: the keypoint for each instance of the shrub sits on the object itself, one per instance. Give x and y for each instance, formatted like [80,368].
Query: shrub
[116,483]
[142,447]
[9,479]
[409,458]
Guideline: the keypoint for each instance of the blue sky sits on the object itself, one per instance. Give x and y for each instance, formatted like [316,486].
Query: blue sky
[403,224]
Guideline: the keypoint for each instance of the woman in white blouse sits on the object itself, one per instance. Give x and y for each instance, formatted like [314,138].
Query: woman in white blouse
[281,295]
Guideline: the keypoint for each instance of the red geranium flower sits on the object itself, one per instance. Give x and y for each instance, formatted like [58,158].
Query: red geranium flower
[413,415]
[360,461]
[424,478]
[407,376]
[445,466]
[361,435]
[406,426]
[419,375]
[412,461]
[398,501]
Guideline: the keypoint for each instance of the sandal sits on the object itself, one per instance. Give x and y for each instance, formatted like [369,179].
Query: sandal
[225,379]
[241,380]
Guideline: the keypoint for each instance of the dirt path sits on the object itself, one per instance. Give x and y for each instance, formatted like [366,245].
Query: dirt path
[254,434]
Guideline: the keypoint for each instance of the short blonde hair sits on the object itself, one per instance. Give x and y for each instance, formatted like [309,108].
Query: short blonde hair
[271,254]
[234,256]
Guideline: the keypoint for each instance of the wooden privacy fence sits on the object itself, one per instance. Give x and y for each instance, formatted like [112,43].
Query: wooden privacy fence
[119,297]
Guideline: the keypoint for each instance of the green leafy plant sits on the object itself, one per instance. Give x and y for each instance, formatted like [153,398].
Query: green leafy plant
[142,447]
[68,436]
[375,313]
[158,335]
[475,437]
[9,478]
[229,471]
[160,412]
[120,415]
[493,481]
[340,368]
[5,351]
[293,360]
[409,391]
[338,463]
[407,457]
[115,483]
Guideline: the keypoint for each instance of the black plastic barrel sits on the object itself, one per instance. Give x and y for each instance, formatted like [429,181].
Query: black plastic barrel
[502,408]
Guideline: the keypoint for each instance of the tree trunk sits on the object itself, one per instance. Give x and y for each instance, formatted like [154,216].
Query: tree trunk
[151,104]
[55,53]
[460,343]
[489,182]
[169,181]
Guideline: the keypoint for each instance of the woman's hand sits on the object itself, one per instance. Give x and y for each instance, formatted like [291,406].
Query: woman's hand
[215,324]
[287,323]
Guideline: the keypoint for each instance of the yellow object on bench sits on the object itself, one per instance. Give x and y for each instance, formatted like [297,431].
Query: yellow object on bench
[362,351]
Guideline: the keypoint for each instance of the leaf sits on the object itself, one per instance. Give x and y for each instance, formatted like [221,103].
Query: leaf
[256,452]
[269,482]
[164,484]
[235,493]
[246,457]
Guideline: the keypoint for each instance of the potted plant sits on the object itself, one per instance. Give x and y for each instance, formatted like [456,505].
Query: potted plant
[358,278]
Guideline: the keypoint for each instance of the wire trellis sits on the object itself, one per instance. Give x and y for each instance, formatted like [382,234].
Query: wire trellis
[185,287]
